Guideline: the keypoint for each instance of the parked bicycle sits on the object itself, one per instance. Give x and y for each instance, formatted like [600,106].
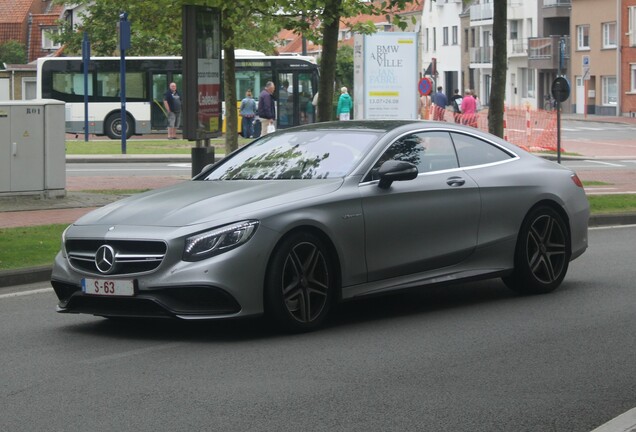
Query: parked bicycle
[550,103]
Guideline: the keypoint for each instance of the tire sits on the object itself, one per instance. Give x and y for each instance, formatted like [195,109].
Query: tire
[300,283]
[542,254]
[112,126]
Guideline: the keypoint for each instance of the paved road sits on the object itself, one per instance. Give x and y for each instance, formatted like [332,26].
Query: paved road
[468,358]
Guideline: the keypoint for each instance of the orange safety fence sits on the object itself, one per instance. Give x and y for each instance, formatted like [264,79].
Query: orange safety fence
[531,129]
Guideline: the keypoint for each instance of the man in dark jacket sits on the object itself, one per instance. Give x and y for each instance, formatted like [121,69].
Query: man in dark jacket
[266,107]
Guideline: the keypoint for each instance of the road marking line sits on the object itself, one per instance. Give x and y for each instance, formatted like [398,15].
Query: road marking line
[591,192]
[26,293]
[604,163]
[625,422]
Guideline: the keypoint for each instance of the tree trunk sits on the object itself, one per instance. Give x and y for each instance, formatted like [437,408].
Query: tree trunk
[499,68]
[331,22]
[229,89]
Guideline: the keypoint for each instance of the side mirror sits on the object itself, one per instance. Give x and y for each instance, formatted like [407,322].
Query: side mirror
[393,170]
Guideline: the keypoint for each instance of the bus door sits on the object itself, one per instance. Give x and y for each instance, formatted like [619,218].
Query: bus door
[295,94]
[160,82]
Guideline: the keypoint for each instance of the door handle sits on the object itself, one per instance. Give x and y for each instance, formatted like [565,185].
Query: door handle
[455,181]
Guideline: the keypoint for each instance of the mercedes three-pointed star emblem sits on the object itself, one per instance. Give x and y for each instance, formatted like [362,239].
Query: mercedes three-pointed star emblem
[105,259]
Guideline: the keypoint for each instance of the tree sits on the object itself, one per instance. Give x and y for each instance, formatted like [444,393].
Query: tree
[499,68]
[302,15]
[12,52]
[156,30]
[156,27]
[344,67]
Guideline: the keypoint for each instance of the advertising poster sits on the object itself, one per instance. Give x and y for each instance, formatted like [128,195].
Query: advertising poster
[208,35]
[390,76]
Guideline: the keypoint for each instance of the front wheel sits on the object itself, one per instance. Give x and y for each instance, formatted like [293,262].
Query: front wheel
[300,283]
[112,126]
[542,254]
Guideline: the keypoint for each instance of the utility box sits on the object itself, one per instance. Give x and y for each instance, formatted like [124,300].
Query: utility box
[32,148]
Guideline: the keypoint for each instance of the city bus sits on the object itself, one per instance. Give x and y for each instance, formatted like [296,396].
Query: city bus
[147,80]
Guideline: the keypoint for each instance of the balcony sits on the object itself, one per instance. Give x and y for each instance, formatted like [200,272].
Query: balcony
[543,53]
[518,48]
[481,55]
[481,12]
[556,8]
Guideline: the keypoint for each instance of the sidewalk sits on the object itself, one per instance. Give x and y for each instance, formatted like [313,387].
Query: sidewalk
[20,211]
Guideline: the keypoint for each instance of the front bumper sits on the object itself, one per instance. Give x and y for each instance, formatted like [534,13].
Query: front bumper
[187,302]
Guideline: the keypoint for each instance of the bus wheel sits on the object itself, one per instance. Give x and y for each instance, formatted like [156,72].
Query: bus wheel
[113,126]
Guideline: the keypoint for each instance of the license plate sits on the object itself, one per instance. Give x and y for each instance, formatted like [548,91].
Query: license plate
[108,287]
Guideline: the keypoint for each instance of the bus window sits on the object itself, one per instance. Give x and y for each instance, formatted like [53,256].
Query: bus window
[158,116]
[108,84]
[306,93]
[285,100]
[135,85]
[66,84]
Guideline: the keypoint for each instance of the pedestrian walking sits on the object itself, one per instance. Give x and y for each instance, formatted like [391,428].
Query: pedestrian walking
[439,104]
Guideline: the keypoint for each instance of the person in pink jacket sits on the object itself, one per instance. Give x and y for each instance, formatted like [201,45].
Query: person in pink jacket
[469,109]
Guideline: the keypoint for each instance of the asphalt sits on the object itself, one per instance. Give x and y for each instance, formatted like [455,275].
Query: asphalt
[29,210]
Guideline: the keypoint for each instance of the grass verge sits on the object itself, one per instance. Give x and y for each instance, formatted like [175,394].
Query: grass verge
[141,147]
[29,246]
[619,203]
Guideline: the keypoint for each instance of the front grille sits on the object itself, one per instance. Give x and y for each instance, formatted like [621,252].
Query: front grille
[131,256]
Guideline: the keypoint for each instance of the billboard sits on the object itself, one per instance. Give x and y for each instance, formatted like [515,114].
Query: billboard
[202,72]
[389,74]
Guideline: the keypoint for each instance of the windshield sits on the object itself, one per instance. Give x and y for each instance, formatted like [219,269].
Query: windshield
[316,154]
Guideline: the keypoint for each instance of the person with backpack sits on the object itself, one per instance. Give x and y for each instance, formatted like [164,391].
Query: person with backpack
[456,102]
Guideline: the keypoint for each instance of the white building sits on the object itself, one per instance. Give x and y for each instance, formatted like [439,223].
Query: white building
[441,43]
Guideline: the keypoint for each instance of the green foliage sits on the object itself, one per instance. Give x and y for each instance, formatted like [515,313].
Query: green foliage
[155,27]
[344,68]
[13,52]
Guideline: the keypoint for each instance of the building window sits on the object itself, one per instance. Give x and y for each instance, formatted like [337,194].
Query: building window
[472,38]
[633,75]
[583,37]
[514,29]
[632,25]
[445,36]
[47,38]
[610,91]
[465,40]
[609,35]
[426,40]
[455,34]
[527,83]
[434,39]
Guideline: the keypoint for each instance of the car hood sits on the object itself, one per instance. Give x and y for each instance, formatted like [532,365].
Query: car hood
[194,202]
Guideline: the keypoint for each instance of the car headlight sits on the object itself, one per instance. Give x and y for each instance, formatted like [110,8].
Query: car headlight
[219,240]
[63,248]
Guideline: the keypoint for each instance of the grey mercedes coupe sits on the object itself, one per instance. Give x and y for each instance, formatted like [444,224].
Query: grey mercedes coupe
[312,215]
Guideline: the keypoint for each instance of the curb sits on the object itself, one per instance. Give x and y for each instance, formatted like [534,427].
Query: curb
[25,276]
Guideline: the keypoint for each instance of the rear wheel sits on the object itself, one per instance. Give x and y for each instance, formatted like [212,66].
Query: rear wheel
[300,283]
[543,253]
[112,126]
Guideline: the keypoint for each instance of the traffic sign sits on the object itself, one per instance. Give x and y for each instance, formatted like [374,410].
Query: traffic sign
[425,86]
[560,89]
[586,67]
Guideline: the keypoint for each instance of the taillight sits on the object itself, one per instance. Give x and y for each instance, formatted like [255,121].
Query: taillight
[577,180]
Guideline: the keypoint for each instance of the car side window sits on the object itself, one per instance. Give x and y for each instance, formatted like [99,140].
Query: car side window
[429,151]
[473,151]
